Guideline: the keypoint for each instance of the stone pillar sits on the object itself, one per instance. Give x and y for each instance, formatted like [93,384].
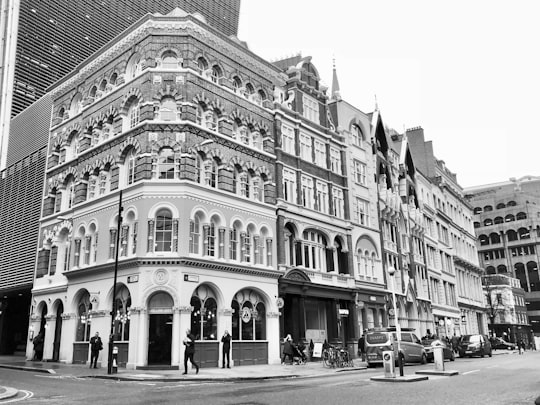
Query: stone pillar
[142,338]
[176,338]
[272,324]
[49,337]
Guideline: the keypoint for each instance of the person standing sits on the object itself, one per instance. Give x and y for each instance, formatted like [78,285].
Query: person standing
[189,342]
[95,346]
[287,349]
[226,340]
[362,347]
[38,345]
[455,343]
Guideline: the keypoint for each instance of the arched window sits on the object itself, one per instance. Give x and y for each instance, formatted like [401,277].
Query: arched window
[112,80]
[501,268]
[216,73]
[500,206]
[511,235]
[130,164]
[495,238]
[202,64]
[134,67]
[234,236]
[210,120]
[256,188]
[74,147]
[122,318]
[69,193]
[104,181]
[488,208]
[76,105]
[484,240]
[255,139]
[509,218]
[93,92]
[250,90]
[524,233]
[477,210]
[210,168]
[498,220]
[249,316]
[204,314]
[488,222]
[168,110]
[511,204]
[314,250]
[194,234]
[166,164]
[236,84]
[83,318]
[521,215]
[134,114]
[490,270]
[164,231]
[357,136]
[169,61]
[477,224]
[209,239]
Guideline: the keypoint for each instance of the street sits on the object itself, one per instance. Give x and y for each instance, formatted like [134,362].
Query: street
[502,379]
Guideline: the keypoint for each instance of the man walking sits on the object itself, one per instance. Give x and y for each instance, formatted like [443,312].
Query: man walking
[189,342]
[95,346]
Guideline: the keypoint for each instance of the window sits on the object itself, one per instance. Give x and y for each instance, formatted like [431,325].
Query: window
[249,316]
[169,61]
[356,136]
[83,318]
[166,164]
[233,243]
[122,318]
[338,203]
[194,234]
[305,147]
[359,171]
[287,139]
[163,235]
[361,211]
[322,197]
[307,191]
[104,182]
[216,73]
[289,186]
[320,153]
[314,250]
[311,108]
[209,239]
[168,110]
[335,160]
[210,120]
[204,314]
[130,164]
[70,194]
[202,64]
[246,246]
[210,173]
[134,114]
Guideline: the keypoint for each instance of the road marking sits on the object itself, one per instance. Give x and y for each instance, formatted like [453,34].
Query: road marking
[470,372]
[496,365]
[27,394]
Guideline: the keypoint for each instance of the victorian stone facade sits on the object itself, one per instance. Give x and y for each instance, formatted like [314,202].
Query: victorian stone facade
[171,123]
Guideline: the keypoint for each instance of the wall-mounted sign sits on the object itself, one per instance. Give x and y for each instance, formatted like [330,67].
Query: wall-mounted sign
[372,298]
[133,279]
[280,302]
[192,278]
[246,315]
[343,312]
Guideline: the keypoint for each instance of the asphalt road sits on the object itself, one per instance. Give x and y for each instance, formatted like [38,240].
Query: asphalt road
[502,379]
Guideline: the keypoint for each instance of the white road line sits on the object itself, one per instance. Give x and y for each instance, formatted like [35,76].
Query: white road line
[27,394]
[470,372]
[496,365]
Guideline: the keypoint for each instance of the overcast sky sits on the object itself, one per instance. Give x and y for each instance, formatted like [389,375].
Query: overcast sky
[468,72]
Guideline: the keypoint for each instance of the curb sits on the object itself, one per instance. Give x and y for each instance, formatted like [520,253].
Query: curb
[25,368]
[8,392]
[203,379]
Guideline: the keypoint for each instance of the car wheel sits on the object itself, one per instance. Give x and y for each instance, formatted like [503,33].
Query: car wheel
[452,356]
[424,359]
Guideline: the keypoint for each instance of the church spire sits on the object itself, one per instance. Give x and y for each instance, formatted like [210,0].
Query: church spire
[335,83]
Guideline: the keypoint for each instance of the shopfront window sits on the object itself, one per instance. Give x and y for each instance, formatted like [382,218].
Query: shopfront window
[84,318]
[204,314]
[249,316]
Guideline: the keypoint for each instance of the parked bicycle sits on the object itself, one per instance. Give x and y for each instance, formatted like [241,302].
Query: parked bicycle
[335,356]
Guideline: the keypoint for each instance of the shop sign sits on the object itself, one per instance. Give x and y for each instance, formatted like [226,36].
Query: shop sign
[280,302]
[192,278]
[343,312]
[246,315]
[133,279]
[317,350]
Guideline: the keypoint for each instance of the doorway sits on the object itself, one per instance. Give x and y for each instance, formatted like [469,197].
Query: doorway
[160,339]
[57,332]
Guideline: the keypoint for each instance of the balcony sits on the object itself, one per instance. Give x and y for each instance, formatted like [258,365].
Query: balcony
[500,279]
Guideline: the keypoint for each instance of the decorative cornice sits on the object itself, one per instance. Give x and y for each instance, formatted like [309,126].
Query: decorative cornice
[185,310]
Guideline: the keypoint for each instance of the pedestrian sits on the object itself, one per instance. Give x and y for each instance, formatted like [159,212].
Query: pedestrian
[287,349]
[38,345]
[226,340]
[95,346]
[455,343]
[521,345]
[362,347]
[189,342]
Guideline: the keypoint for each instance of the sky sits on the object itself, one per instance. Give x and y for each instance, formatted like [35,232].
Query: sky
[467,72]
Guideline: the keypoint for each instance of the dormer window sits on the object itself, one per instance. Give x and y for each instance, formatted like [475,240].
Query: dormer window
[311,108]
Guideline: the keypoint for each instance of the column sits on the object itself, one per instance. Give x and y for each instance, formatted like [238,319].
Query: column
[49,337]
[176,338]
[272,323]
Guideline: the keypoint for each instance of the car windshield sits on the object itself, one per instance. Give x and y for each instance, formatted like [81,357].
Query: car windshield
[471,338]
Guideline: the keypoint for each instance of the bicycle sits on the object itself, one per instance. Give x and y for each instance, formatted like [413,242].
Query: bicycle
[336,357]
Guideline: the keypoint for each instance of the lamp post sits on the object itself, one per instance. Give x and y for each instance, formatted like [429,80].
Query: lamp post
[391,272]
[113,311]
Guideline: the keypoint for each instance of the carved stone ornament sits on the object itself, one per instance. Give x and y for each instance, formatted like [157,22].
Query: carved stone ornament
[226,311]
[185,310]
[137,310]
[273,314]
[161,276]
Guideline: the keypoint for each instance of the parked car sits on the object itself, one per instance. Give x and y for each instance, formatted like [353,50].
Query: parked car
[379,340]
[429,344]
[474,345]
[499,343]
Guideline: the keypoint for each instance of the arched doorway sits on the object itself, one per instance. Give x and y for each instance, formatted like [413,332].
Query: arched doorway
[160,329]
[57,331]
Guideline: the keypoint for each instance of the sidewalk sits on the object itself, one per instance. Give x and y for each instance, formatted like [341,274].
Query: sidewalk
[259,372]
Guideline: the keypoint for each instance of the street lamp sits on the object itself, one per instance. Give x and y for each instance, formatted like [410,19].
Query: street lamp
[391,272]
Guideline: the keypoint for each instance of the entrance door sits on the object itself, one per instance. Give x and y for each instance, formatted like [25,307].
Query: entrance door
[57,332]
[160,339]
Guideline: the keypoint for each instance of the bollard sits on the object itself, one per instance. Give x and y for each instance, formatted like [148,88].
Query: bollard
[389,364]
[115,360]
[438,358]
